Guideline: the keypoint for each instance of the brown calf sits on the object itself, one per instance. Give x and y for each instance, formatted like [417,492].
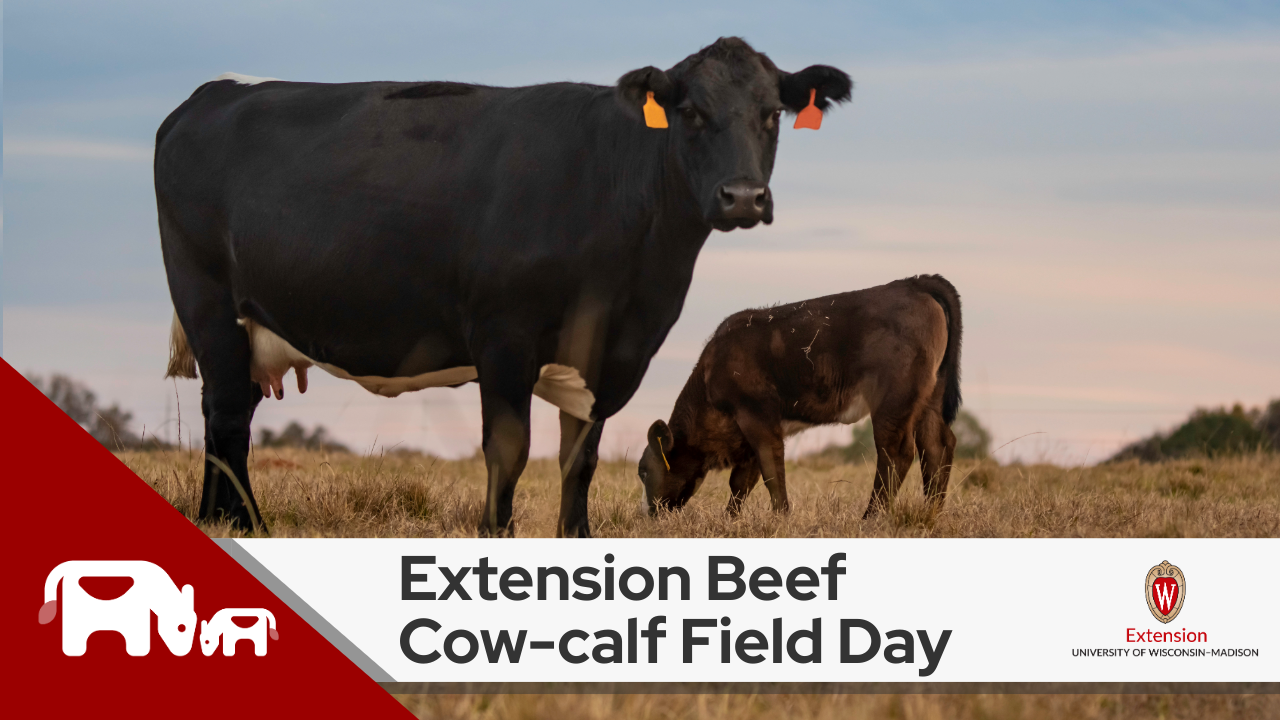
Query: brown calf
[891,351]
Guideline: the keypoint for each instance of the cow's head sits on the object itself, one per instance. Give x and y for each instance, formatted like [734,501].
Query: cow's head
[724,105]
[670,470]
[177,623]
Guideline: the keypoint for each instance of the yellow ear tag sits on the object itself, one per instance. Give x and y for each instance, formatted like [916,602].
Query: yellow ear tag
[811,116]
[663,453]
[654,117]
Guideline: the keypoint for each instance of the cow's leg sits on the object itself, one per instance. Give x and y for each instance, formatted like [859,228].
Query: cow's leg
[766,439]
[895,451]
[937,446]
[206,307]
[229,400]
[507,377]
[137,634]
[579,453]
[741,480]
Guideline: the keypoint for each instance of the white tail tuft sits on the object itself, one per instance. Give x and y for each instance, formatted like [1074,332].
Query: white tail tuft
[182,362]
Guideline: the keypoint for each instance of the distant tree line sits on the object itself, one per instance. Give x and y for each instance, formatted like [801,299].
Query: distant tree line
[111,426]
[294,435]
[1212,433]
[1207,433]
[107,425]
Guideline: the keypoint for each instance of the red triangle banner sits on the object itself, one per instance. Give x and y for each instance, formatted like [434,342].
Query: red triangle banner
[71,501]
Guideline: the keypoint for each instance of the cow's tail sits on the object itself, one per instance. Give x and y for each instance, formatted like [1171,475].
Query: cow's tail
[182,362]
[949,371]
[271,625]
[49,609]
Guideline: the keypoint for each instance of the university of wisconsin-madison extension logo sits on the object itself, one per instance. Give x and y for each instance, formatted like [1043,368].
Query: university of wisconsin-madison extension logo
[150,590]
[1166,589]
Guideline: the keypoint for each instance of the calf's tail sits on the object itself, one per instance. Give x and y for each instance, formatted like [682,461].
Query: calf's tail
[271,625]
[945,294]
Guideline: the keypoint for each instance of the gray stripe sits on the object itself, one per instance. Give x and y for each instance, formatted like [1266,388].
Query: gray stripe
[300,606]
[823,688]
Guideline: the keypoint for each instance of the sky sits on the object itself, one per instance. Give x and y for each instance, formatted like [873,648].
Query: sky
[1100,180]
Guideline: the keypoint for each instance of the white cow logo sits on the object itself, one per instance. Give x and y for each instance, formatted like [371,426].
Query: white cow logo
[129,614]
[223,625]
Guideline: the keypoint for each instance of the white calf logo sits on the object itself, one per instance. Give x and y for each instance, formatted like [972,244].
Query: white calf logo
[222,625]
[129,614]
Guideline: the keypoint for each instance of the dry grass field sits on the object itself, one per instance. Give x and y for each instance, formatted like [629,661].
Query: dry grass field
[310,494]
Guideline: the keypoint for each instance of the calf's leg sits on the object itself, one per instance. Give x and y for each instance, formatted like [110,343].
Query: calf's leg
[741,480]
[937,446]
[767,440]
[579,453]
[895,451]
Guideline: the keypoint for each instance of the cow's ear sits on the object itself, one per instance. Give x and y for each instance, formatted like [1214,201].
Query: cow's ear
[635,86]
[830,85]
[660,437]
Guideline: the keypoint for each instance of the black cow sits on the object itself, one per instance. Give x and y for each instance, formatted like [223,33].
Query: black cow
[540,240]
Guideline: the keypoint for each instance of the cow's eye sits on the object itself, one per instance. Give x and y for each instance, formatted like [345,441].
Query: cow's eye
[691,116]
[771,121]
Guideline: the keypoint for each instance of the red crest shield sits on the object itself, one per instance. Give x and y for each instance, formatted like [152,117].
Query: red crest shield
[1166,588]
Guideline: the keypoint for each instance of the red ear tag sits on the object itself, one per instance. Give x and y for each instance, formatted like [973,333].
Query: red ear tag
[811,116]
[654,115]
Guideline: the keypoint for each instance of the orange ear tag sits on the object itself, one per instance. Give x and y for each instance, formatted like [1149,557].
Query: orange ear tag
[664,456]
[654,115]
[811,116]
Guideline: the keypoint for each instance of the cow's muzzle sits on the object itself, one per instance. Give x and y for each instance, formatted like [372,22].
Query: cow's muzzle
[742,204]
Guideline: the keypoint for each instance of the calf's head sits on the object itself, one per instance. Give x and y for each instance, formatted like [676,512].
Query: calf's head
[723,106]
[670,470]
[208,638]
